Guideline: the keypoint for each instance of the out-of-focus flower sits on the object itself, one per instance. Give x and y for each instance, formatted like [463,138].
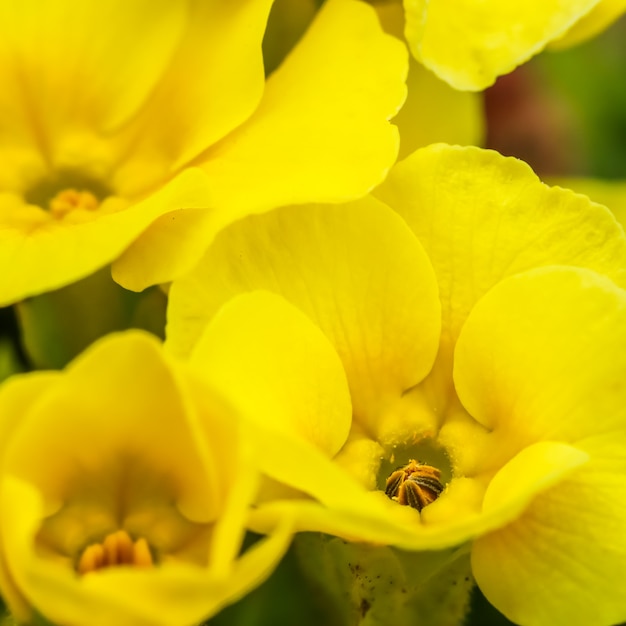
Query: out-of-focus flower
[481,325]
[115,115]
[469,44]
[124,493]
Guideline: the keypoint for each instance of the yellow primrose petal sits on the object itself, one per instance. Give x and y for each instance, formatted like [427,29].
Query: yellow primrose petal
[320,133]
[127,367]
[481,217]
[15,396]
[469,44]
[59,60]
[271,361]
[214,82]
[597,20]
[610,193]
[537,467]
[564,557]
[356,270]
[41,252]
[541,358]
[433,111]
[179,236]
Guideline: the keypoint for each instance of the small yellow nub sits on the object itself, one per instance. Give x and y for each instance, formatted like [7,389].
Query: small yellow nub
[69,200]
[116,549]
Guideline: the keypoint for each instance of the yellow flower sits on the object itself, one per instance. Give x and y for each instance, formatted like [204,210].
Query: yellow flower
[124,492]
[477,315]
[469,44]
[115,115]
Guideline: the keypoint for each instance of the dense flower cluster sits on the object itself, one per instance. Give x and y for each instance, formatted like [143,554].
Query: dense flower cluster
[404,356]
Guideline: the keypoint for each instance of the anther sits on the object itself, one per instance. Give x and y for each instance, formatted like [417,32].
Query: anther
[116,549]
[69,200]
[415,484]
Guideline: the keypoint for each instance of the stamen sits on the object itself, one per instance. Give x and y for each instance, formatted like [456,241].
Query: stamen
[71,199]
[415,484]
[116,549]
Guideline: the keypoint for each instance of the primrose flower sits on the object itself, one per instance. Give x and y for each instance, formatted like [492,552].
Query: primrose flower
[124,493]
[129,127]
[470,44]
[480,322]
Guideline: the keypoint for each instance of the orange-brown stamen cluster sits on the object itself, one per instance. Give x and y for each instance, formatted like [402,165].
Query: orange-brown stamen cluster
[116,549]
[69,200]
[414,484]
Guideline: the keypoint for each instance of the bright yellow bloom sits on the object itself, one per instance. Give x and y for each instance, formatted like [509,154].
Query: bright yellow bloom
[469,44]
[124,492]
[116,114]
[481,325]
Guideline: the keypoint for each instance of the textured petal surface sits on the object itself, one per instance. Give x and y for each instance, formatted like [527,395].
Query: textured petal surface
[610,193]
[40,253]
[469,44]
[356,271]
[481,217]
[542,358]
[276,366]
[320,133]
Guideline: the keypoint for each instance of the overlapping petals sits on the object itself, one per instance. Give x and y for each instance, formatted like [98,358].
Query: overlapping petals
[515,423]
[81,114]
[380,311]
[125,441]
[541,359]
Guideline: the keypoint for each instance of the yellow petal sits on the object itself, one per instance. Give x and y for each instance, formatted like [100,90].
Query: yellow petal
[213,83]
[168,248]
[469,44]
[559,563]
[610,193]
[100,414]
[40,253]
[481,217]
[542,357]
[70,64]
[597,20]
[356,270]
[320,133]
[17,396]
[275,365]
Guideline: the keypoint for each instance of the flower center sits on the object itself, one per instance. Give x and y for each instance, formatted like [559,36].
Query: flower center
[65,191]
[70,199]
[116,549]
[415,484]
